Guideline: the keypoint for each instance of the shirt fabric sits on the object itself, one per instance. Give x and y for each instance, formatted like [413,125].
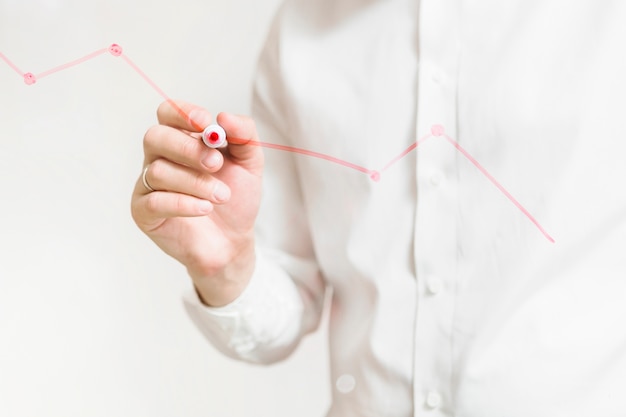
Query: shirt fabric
[447,298]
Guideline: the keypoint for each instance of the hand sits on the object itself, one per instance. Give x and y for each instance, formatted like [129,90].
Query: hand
[205,202]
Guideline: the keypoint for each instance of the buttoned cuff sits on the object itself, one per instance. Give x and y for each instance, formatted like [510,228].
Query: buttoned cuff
[261,324]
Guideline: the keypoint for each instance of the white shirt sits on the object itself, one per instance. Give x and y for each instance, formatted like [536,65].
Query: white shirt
[447,299]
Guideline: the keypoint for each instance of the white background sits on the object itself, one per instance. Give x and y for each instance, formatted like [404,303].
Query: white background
[91,318]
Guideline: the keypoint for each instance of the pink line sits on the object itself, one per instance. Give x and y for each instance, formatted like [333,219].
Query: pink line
[161,92]
[406,152]
[72,63]
[11,64]
[499,186]
[146,78]
[436,130]
[304,152]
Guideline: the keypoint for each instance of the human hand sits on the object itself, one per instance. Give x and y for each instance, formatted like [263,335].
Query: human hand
[205,201]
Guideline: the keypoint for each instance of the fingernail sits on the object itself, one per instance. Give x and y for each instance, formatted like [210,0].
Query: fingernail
[212,160]
[204,206]
[221,192]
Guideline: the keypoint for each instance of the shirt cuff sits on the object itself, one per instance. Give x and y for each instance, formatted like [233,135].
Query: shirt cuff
[261,324]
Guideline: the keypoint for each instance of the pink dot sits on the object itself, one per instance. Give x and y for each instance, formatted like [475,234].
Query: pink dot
[375,176]
[214,137]
[29,78]
[437,130]
[115,49]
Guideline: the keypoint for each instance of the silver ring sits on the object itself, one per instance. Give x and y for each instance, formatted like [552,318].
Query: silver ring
[145,181]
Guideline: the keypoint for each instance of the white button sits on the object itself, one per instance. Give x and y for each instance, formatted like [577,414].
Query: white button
[345,383]
[435,179]
[433,399]
[434,285]
[437,77]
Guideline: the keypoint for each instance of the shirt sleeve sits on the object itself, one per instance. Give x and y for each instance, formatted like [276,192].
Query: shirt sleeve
[261,325]
[285,296]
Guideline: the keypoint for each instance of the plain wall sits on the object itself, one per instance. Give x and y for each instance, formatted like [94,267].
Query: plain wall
[91,317]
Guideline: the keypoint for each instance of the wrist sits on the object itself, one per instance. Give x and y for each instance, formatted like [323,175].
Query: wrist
[219,287]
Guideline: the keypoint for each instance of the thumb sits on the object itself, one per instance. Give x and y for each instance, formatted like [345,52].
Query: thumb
[243,140]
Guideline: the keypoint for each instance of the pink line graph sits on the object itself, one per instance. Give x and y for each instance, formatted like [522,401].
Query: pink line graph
[436,130]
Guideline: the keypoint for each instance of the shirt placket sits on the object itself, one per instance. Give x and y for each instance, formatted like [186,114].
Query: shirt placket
[435,231]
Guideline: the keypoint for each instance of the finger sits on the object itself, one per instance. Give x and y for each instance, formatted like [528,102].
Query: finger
[163,175]
[172,144]
[243,141]
[144,180]
[142,186]
[151,209]
[183,115]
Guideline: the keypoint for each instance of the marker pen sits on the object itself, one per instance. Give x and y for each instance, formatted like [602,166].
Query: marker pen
[214,136]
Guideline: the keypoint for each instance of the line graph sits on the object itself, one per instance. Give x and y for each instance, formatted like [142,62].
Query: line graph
[436,131]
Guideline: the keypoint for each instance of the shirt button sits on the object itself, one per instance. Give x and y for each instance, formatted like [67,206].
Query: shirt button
[435,179]
[345,383]
[434,285]
[437,77]
[433,399]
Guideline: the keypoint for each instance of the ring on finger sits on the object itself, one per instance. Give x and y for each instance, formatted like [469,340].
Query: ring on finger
[145,181]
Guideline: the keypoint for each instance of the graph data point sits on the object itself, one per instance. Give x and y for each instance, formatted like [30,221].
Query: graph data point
[29,78]
[437,130]
[115,49]
[215,138]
